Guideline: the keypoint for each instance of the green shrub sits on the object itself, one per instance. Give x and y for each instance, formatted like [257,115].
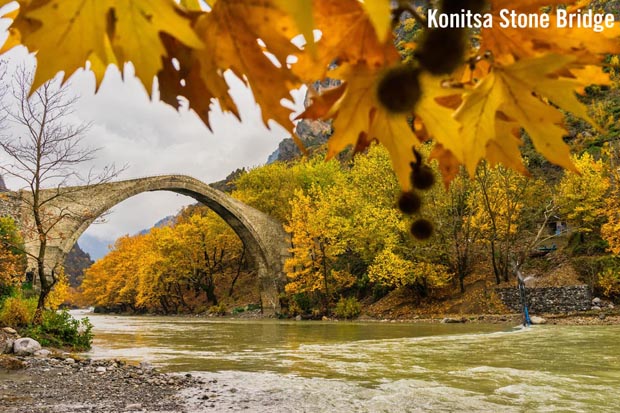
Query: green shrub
[59,329]
[252,307]
[300,304]
[17,312]
[6,291]
[238,310]
[348,308]
[591,269]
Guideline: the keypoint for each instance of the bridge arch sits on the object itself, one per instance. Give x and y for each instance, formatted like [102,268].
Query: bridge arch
[264,237]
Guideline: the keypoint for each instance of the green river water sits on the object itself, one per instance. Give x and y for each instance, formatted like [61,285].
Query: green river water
[285,366]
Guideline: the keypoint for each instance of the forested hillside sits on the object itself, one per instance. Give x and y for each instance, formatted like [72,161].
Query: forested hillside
[351,244]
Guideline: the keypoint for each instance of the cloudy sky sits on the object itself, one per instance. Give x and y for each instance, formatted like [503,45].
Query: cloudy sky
[153,138]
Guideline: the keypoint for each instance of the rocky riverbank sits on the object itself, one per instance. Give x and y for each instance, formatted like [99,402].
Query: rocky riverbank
[36,380]
[65,384]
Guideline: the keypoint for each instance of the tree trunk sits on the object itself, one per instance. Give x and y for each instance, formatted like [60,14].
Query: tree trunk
[325,281]
[239,267]
[209,288]
[46,288]
[494,261]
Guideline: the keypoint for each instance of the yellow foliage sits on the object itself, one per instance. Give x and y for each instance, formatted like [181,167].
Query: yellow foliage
[518,78]
[390,269]
[610,231]
[17,312]
[60,292]
[609,281]
[169,269]
[582,197]
[65,34]
[11,257]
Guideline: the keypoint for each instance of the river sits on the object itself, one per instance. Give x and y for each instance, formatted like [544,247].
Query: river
[286,366]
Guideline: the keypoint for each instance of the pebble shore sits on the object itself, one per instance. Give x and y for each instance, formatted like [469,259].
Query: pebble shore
[64,384]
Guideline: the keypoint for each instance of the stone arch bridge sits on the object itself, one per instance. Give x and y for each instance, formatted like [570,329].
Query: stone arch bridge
[264,238]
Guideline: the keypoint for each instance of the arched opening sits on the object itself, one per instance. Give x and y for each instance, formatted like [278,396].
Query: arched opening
[264,238]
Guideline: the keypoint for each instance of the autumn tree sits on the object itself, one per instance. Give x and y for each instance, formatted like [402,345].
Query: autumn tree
[113,280]
[453,212]
[46,152]
[395,271]
[270,188]
[611,229]
[315,246]
[171,269]
[211,250]
[582,197]
[509,215]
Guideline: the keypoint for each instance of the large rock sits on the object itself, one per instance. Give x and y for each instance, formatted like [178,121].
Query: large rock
[537,320]
[25,346]
[42,353]
[6,345]
[7,337]
[449,320]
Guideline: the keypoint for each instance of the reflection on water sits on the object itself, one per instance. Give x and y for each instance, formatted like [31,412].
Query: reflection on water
[368,367]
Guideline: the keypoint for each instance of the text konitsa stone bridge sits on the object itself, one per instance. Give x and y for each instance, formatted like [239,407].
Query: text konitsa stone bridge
[264,237]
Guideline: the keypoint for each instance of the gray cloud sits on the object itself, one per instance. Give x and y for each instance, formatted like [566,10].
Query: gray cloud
[153,138]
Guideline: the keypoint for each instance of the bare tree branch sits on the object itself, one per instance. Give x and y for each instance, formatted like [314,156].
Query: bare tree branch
[44,155]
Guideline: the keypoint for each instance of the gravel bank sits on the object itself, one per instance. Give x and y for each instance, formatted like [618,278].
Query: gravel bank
[63,384]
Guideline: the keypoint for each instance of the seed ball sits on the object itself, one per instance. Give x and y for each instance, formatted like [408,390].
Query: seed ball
[442,50]
[399,89]
[409,202]
[422,177]
[422,229]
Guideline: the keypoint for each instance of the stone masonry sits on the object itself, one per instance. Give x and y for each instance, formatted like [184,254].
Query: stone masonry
[265,239]
[549,299]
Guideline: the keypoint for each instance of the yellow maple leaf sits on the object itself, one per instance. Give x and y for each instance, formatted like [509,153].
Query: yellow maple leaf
[509,44]
[358,118]
[66,33]
[516,91]
[347,36]
[477,118]
[136,34]
[380,13]
[504,148]
[539,119]
[560,91]
[230,34]
[437,118]
[301,12]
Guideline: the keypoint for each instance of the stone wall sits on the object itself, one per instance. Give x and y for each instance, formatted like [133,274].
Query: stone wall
[549,299]
[9,205]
